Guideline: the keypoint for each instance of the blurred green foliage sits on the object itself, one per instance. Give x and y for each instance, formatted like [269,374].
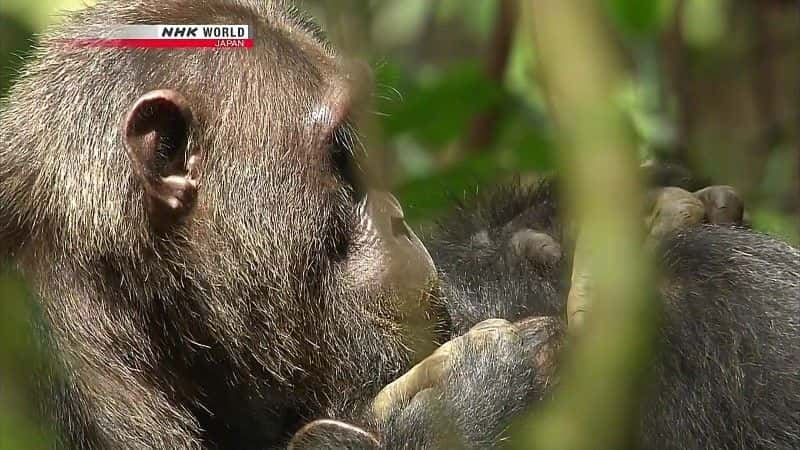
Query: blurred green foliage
[693,62]
[435,112]
[640,19]
[711,84]
[18,358]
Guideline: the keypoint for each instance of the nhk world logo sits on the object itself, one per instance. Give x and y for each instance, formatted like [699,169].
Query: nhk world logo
[168,36]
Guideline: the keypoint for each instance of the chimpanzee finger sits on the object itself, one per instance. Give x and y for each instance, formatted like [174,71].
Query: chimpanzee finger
[673,209]
[434,370]
[329,434]
[536,247]
[722,204]
[578,299]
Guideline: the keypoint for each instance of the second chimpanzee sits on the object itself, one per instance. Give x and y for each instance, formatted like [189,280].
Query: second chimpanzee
[727,374]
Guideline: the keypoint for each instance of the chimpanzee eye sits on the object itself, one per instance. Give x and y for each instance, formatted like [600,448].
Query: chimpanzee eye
[343,156]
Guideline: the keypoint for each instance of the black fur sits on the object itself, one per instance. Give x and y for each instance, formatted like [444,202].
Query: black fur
[727,375]
[481,277]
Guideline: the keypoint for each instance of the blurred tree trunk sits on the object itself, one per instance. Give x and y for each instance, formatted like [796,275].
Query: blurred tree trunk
[764,81]
[484,126]
[600,386]
[678,92]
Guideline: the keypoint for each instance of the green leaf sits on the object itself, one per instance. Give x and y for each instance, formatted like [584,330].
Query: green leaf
[777,224]
[440,112]
[534,152]
[426,198]
[639,18]
[704,22]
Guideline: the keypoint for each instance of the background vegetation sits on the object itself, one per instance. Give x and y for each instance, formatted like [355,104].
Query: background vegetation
[713,84]
[465,98]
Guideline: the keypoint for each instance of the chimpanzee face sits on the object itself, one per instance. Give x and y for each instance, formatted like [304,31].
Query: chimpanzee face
[250,160]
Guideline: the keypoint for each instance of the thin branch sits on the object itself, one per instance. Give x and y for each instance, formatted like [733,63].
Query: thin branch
[484,125]
[596,403]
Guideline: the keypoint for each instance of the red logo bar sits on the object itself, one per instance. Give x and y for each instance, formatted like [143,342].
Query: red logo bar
[163,43]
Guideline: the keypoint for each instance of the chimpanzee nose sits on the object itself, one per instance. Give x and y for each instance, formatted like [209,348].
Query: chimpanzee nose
[387,215]
[408,265]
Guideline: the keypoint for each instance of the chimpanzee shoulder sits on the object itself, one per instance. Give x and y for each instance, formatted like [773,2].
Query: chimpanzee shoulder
[729,342]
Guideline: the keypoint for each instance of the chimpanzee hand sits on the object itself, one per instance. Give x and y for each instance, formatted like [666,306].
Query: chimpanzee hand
[333,434]
[670,209]
[462,396]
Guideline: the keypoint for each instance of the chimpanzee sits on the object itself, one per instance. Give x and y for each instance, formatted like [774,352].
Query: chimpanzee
[212,276]
[209,275]
[727,373]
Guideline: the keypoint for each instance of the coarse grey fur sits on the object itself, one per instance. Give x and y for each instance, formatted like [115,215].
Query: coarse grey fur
[727,371]
[253,315]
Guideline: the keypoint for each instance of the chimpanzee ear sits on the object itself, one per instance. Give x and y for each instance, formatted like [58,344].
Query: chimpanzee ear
[156,134]
[327,434]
